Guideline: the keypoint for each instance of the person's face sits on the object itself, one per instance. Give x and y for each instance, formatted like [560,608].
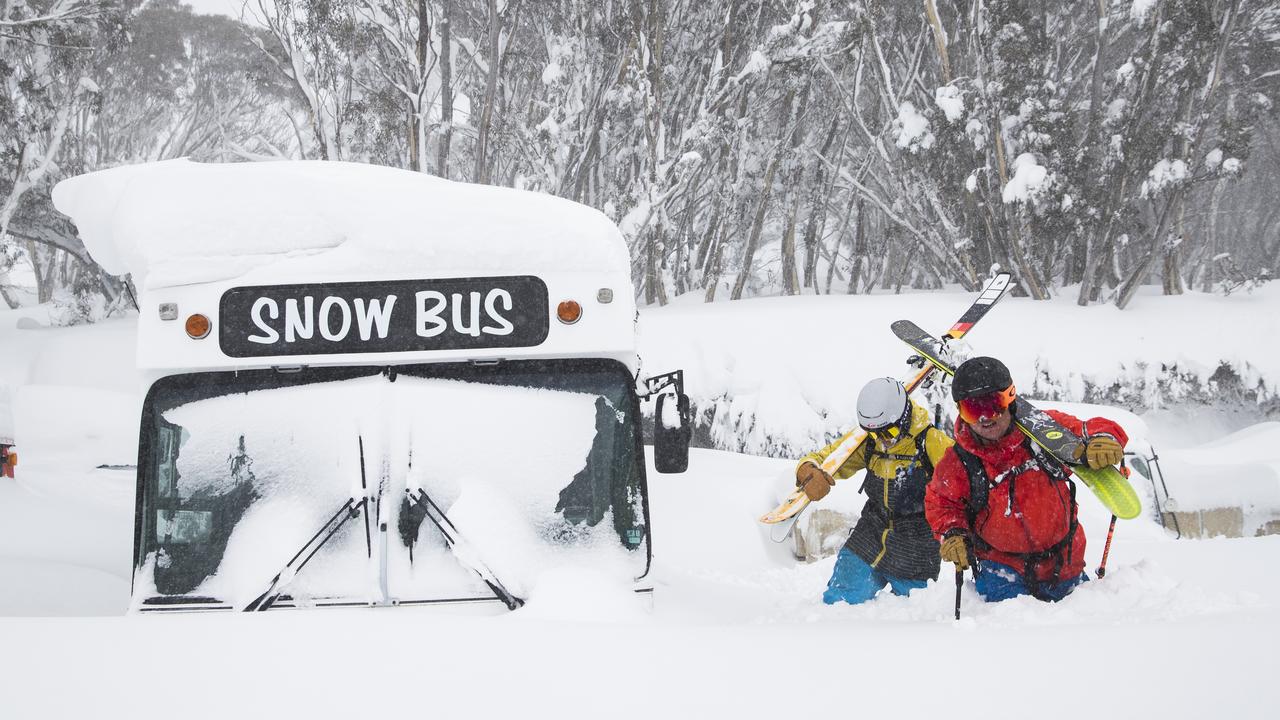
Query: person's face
[992,427]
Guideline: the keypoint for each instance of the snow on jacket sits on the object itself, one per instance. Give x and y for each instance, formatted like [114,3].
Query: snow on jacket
[892,534]
[1040,514]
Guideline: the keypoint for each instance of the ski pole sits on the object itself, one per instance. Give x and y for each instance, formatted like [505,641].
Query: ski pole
[959,584]
[1106,549]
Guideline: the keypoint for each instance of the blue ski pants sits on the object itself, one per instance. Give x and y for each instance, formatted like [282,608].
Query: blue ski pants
[997,581]
[854,581]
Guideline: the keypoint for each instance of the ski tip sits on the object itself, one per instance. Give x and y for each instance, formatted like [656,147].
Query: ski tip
[789,508]
[902,325]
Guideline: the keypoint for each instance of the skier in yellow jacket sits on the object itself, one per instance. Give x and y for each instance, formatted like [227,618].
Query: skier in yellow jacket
[892,543]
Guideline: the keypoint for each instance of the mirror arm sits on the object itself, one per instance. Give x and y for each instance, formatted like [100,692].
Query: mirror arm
[658,383]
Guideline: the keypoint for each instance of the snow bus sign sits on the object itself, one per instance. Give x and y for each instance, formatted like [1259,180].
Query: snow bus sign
[371,387]
[434,314]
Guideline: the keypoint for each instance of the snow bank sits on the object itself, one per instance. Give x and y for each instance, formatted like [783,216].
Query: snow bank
[178,222]
[76,426]
[98,358]
[1240,470]
[781,375]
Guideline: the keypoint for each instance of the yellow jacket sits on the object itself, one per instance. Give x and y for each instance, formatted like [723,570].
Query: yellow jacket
[935,444]
[892,534]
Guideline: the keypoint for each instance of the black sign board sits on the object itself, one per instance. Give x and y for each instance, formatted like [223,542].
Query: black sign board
[376,317]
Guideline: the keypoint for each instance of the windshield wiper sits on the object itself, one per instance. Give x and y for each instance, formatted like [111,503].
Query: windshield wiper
[461,549]
[348,511]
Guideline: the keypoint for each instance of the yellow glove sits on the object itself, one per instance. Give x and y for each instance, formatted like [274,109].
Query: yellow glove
[814,480]
[953,550]
[1103,450]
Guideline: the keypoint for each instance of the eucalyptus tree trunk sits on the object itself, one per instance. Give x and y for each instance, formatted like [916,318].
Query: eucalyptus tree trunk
[481,173]
[446,88]
[1140,271]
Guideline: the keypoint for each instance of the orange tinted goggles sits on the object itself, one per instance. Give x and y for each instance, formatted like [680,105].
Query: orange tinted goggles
[989,406]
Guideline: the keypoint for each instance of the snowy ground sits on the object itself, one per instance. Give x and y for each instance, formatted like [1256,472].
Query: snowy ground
[1178,628]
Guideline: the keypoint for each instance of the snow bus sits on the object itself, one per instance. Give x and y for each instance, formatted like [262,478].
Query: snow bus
[371,387]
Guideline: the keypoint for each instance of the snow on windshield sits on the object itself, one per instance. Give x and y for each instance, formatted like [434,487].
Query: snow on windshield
[496,459]
[178,222]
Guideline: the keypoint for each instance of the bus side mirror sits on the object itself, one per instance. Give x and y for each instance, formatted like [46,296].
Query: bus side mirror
[672,429]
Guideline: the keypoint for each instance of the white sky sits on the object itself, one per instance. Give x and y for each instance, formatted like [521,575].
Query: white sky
[230,8]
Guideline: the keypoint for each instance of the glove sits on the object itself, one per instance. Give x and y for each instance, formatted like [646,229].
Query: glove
[814,480]
[1103,450]
[953,550]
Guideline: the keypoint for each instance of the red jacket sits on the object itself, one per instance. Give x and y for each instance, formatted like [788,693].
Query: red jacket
[1041,513]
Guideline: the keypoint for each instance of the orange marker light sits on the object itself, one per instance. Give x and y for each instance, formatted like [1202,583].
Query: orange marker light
[569,312]
[198,326]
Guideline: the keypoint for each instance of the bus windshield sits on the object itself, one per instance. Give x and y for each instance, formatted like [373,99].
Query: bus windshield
[320,484]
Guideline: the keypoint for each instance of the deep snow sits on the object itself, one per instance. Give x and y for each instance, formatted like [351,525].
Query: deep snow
[1178,628]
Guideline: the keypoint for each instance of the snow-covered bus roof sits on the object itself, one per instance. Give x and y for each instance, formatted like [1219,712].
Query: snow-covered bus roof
[179,222]
[264,248]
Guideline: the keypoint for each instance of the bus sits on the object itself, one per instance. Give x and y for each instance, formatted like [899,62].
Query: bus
[371,387]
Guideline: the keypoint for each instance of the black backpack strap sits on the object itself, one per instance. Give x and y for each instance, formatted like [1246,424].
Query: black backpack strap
[979,483]
[867,446]
[922,452]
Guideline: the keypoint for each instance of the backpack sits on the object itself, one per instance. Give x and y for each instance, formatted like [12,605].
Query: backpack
[921,457]
[979,487]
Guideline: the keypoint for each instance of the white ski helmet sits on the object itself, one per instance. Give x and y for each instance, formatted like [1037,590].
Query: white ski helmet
[883,402]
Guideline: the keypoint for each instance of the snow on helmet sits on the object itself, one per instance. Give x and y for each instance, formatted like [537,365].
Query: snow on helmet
[882,403]
[980,376]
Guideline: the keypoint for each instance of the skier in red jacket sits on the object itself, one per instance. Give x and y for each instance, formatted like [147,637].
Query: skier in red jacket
[1026,534]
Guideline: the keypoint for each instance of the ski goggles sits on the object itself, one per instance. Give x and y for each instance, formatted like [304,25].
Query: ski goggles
[990,405]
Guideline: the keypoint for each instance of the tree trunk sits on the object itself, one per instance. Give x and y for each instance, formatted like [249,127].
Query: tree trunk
[939,39]
[446,88]
[481,173]
[654,291]
[757,226]
[790,278]
[859,249]
[1172,275]
[711,280]
[1139,273]
[818,197]
[1078,270]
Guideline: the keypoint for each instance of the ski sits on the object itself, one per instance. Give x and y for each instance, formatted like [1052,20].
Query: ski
[797,501]
[1108,483]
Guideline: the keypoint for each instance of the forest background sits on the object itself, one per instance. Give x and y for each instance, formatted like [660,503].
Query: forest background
[745,148]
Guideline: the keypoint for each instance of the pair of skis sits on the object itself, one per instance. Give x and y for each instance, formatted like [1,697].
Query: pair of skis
[1107,483]
[784,516]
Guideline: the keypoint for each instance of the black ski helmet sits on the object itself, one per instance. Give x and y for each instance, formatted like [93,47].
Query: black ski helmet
[979,376]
